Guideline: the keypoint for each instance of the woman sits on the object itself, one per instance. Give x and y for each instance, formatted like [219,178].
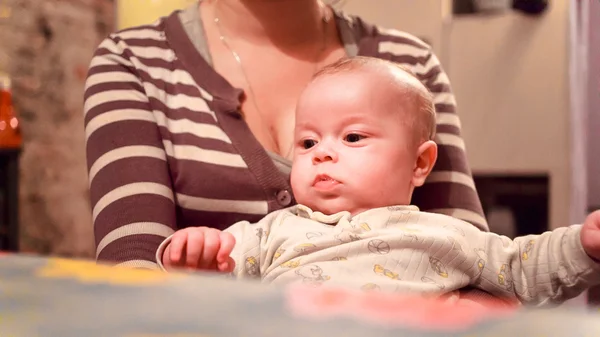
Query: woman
[189,120]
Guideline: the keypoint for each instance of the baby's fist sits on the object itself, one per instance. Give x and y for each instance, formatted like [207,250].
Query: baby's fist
[200,248]
[590,235]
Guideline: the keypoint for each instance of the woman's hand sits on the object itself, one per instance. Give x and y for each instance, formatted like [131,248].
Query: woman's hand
[200,248]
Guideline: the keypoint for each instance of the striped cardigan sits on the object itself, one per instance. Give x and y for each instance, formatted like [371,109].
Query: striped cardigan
[167,147]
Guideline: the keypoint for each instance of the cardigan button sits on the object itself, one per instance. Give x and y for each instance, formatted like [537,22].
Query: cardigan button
[284,198]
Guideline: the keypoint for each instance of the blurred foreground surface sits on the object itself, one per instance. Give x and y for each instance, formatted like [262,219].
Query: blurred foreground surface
[63,298]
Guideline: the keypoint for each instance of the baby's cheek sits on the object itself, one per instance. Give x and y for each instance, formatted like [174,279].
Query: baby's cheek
[299,185]
[371,179]
[296,175]
[381,189]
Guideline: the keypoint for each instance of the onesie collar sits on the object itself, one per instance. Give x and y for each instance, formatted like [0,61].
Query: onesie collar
[306,212]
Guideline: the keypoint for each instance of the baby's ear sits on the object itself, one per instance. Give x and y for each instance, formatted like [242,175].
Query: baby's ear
[426,157]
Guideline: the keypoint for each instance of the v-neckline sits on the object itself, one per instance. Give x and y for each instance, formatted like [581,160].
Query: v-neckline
[189,45]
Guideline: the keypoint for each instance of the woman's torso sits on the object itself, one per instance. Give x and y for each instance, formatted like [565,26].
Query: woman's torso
[252,175]
[219,170]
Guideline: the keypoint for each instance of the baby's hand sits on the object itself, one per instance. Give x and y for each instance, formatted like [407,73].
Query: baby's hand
[200,248]
[590,235]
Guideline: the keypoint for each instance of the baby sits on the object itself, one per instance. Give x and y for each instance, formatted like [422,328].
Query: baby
[363,141]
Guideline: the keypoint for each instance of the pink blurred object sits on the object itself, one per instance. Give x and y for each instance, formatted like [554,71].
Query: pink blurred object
[392,310]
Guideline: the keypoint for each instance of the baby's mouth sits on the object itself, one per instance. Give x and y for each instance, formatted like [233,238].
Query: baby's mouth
[324,181]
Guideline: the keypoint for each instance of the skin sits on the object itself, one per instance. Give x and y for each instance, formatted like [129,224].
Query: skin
[281,43]
[352,153]
[347,122]
[343,121]
[277,41]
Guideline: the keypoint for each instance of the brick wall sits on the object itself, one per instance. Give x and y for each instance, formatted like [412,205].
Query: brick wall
[46,46]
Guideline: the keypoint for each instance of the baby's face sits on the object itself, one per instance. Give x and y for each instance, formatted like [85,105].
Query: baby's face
[352,151]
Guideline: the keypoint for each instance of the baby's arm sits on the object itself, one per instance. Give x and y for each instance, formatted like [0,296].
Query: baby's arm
[538,269]
[203,248]
[252,245]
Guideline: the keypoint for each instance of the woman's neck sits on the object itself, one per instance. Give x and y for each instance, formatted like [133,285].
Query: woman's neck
[285,23]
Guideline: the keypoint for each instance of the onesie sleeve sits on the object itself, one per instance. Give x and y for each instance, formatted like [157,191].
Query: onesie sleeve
[251,245]
[536,269]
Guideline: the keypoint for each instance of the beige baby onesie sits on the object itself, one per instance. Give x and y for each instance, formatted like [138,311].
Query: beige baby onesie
[399,248]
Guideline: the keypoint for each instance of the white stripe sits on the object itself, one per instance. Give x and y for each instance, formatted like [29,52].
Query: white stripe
[111,96]
[447,118]
[175,77]
[200,130]
[152,52]
[432,62]
[149,52]
[129,190]
[142,33]
[177,101]
[109,45]
[451,177]
[406,49]
[152,228]
[442,78]
[117,116]
[450,140]
[174,126]
[111,77]
[218,205]
[110,59]
[401,34]
[402,49]
[125,152]
[114,47]
[138,264]
[463,214]
[170,76]
[444,98]
[190,152]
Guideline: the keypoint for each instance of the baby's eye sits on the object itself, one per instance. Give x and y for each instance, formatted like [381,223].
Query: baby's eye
[308,143]
[353,137]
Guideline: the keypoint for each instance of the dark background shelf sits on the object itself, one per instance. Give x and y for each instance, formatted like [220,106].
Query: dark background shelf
[9,200]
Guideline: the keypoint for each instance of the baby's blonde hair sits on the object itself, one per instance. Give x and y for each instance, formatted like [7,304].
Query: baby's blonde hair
[423,122]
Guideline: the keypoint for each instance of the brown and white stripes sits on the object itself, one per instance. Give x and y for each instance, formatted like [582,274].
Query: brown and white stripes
[167,148]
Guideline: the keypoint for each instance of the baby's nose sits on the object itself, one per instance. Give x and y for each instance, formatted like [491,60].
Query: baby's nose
[324,154]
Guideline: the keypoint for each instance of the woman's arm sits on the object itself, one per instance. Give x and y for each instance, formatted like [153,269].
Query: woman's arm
[130,189]
[450,188]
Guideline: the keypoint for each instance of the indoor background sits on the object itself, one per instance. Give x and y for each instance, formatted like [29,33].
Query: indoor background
[525,85]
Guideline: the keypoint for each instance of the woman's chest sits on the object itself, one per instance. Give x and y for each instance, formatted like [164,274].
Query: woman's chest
[272,84]
[218,171]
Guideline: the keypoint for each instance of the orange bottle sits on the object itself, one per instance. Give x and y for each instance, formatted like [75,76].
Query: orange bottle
[10,132]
